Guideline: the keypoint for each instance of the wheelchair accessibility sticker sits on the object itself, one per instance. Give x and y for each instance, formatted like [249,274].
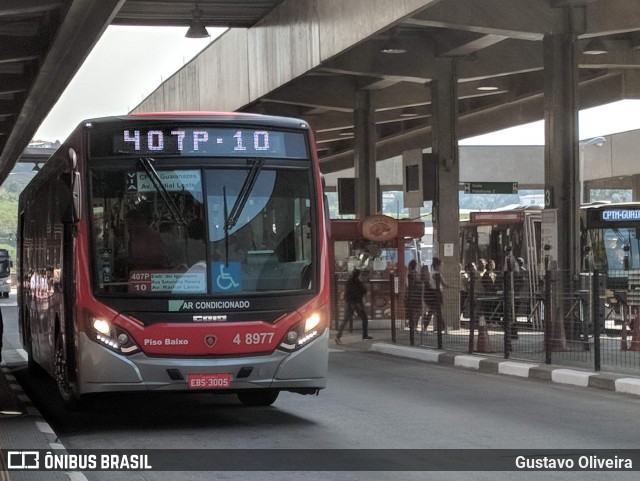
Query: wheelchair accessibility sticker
[226,277]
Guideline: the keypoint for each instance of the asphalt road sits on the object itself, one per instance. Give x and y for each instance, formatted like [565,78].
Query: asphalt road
[372,402]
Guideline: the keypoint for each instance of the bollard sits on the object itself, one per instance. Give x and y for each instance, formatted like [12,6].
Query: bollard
[483,343]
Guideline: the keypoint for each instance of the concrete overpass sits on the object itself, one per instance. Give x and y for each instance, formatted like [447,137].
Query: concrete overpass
[309,57]
[44,42]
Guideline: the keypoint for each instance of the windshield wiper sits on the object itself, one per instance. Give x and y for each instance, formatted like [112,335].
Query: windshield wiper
[245,191]
[231,218]
[147,164]
[226,226]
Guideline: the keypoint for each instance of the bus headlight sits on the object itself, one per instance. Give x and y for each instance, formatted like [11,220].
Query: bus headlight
[102,326]
[303,333]
[113,337]
[311,322]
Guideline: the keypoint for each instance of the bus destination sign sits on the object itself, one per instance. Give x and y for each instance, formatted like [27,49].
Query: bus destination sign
[617,215]
[209,142]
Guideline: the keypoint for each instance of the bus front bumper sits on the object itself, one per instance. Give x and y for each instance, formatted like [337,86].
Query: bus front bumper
[102,370]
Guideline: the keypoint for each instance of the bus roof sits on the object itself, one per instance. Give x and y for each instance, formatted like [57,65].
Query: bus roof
[610,205]
[221,117]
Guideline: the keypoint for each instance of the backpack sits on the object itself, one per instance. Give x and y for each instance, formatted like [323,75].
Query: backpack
[429,289]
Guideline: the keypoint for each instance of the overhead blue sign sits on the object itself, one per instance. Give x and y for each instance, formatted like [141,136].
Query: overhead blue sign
[614,215]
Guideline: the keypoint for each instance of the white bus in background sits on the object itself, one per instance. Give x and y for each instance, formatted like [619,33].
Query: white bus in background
[5,272]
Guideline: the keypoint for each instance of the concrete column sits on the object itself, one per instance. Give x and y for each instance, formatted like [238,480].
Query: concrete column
[414,213]
[446,215]
[562,182]
[365,154]
[635,182]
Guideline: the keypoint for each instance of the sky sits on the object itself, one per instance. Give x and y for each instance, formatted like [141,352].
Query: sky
[126,65]
[129,63]
[597,121]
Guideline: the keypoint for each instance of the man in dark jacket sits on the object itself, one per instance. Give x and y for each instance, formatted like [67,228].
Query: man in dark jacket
[353,295]
[1,332]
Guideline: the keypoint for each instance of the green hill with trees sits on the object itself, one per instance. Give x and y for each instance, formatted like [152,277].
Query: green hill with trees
[9,193]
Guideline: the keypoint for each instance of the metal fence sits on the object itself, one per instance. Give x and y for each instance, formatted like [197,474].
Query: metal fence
[590,321]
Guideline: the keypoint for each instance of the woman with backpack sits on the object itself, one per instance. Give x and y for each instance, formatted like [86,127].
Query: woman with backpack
[428,296]
[438,283]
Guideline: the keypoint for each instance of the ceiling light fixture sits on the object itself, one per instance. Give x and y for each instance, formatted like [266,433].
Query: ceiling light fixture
[393,46]
[196,27]
[597,141]
[595,47]
[487,86]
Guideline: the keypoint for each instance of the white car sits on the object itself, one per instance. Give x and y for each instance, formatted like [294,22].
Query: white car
[5,286]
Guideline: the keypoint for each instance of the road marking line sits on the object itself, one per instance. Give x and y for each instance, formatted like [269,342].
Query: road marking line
[44,427]
[76,476]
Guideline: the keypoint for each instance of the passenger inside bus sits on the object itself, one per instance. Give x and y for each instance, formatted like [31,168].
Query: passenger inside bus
[196,249]
[145,247]
[616,254]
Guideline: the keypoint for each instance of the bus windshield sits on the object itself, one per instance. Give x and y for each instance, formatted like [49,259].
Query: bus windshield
[615,250]
[5,263]
[160,230]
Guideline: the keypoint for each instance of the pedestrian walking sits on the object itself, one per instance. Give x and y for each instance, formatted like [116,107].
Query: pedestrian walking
[354,294]
[510,271]
[438,282]
[490,288]
[413,298]
[522,288]
[1,332]
[428,296]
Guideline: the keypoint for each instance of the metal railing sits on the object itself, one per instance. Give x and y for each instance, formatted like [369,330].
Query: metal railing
[592,321]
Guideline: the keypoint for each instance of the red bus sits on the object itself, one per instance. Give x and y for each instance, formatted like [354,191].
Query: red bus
[177,252]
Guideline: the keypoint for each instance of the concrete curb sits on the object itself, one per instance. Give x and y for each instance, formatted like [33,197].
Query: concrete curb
[26,430]
[603,380]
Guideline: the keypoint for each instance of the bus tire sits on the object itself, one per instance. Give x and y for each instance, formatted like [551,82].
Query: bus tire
[263,397]
[33,368]
[69,398]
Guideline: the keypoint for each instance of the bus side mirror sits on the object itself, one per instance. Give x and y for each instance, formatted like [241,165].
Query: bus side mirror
[69,198]
[325,201]
[76,207]
[75,196]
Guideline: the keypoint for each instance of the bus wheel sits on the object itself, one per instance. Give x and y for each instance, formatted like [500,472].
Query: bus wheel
[69,398]
[265,397]
[33,367]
